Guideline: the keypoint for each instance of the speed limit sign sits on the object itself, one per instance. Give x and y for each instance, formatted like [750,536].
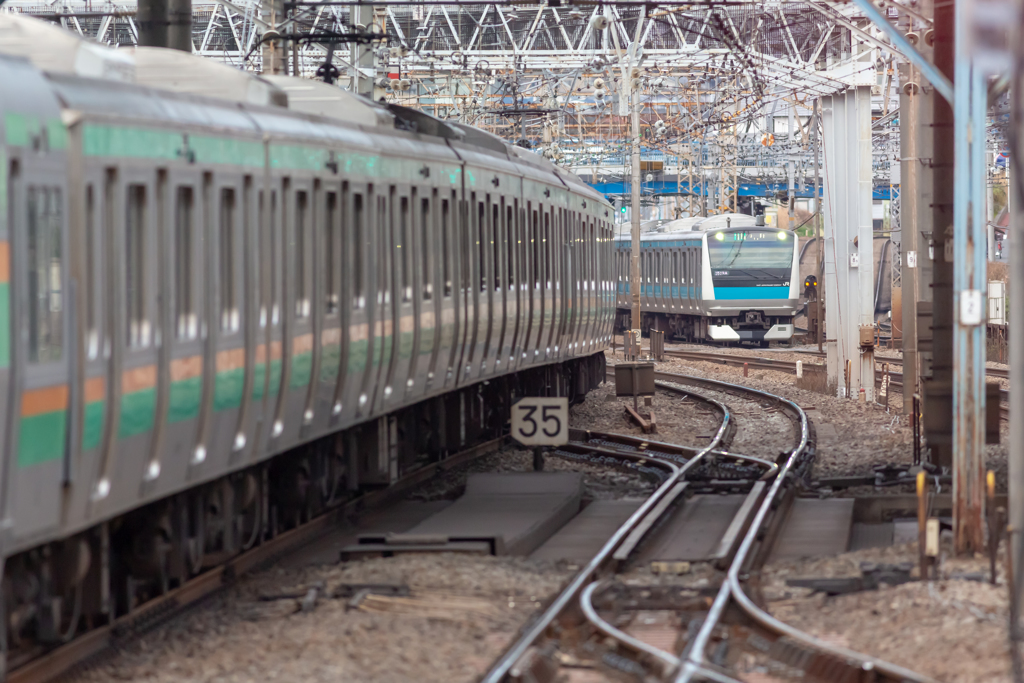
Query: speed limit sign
[541,421]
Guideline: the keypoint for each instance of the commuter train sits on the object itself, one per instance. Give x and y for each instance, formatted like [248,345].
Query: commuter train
[228,302]
[724,278]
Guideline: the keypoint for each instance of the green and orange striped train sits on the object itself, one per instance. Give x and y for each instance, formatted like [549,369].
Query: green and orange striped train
[229,302]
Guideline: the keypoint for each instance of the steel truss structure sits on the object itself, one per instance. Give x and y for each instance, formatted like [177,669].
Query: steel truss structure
[722,79]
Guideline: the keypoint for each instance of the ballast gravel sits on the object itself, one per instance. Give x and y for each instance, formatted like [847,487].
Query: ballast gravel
[460,614]
[953,629]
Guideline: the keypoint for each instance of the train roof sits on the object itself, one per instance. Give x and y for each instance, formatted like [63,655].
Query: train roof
[695,227]
[171,85]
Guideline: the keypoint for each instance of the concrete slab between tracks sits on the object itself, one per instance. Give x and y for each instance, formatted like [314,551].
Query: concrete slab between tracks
[815,528]
[693,531]
[587,532]
[397,518]
[499,513]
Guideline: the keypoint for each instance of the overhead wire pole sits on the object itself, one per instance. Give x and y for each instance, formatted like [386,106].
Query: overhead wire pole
[633,85]
[817,225]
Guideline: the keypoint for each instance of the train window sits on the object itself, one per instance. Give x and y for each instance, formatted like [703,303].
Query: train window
[357,260]
[226,262]
[331,245]
[302,247]
[425,249]
[184,312]
[445,253]
[92,345]
[134,249]
[45,277]
[404,250]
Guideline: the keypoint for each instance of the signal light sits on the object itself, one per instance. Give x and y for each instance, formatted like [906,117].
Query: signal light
[623,209]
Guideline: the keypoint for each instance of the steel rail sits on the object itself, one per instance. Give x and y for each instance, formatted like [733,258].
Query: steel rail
[501,668]
[694,662]
[782,365]
[58,661]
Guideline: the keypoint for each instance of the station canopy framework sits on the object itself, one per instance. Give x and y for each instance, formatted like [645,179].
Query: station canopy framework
[726,88]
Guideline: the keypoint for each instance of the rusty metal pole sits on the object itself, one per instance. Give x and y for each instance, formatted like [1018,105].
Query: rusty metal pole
[969,269]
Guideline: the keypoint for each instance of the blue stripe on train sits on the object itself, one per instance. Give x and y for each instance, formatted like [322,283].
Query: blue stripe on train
[727,293]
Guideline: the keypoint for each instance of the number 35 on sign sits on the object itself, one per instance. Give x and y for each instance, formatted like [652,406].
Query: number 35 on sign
[541,421]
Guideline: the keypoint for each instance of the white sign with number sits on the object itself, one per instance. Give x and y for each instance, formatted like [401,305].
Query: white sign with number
[541,421]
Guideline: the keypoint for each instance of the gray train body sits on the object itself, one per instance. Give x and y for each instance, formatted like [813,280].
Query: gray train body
[721,278]
[220,312]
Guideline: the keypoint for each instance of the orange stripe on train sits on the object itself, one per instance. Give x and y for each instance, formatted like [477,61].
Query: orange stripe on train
[186,368]
[138,379]
[231,359]
[95,389]
[42,401]
[5,261]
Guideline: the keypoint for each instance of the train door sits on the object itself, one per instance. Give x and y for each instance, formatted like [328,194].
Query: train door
[499,288]
[225,357]
[515,266]
[402,298]
[130,240]
[34,262]
[426,319]
[359,271]
[510,284]
[385,311]
[324,293]
[181,371]
[449,304]
[269,351]
[488,281]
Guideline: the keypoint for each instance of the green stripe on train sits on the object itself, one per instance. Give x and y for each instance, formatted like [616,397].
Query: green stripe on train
[302,369]
[227,389]
[138,410]
[92,425]
[5,324]
[41,438]
[184,399]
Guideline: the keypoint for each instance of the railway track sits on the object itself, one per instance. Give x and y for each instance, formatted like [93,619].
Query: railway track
[781,365]
[579,623]
[51,665]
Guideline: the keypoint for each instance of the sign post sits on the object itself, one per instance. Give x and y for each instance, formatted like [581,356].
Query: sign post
[541,422]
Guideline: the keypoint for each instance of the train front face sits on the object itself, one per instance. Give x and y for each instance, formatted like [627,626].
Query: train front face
[754,284]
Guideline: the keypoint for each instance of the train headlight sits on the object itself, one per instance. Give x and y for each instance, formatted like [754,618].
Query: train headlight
[719,236]
[782,236]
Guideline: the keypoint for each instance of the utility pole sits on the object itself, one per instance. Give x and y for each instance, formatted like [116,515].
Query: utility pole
[363,71]
[1015,207]
[910,104]
[817,225]
[634,212]
[165,23]
[274,60]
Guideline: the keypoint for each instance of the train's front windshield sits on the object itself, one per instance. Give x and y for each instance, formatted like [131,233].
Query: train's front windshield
[754,249]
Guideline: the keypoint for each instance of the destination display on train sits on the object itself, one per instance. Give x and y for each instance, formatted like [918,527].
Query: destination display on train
[759,236]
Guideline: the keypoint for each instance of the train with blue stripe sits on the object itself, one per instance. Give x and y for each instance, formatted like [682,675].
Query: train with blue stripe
[724,278]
